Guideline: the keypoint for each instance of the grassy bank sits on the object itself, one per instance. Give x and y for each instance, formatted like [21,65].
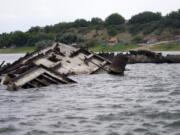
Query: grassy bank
[17,50]
[166,47]
[106,48]
[120,47]
[115,48]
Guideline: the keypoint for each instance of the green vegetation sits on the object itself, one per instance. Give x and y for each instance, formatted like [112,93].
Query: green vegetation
[166,47]
[114,48]
[114,19]
[104,48]
[139,28]
[68,38]
[145,17]
[17,50]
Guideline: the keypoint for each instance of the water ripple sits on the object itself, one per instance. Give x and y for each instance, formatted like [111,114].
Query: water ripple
[143,102]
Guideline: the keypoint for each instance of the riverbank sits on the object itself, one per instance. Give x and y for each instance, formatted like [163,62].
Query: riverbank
[107,48]
[17,50]
[114,48]
[169,46]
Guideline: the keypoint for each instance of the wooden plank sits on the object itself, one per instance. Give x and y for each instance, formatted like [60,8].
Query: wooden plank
[40,82]
[56,79]
[49,79]
[31,84]
[44,80]
[89,56]
[27,86]
[100,66]
[2,64]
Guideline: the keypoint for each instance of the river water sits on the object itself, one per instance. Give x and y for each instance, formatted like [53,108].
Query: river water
[145,101]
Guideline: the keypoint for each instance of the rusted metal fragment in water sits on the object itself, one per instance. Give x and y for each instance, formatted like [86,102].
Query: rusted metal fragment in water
[118,64]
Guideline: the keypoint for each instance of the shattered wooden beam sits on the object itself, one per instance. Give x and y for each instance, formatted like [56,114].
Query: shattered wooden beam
[53,65]
[40,82]
[101,66]
[50,79]
[31,78]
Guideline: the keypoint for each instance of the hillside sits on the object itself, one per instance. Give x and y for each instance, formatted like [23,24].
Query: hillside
[146,27]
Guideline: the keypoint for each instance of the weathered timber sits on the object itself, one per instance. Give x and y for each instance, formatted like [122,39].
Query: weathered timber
[118,64]
[101,66]
[53,65]
[2,64]
[144,56]
[30,77]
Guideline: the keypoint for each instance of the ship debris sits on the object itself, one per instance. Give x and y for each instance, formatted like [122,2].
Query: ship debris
[145,56]
[54,65]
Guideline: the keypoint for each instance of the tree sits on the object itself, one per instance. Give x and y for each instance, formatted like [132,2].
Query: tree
[16,38]
[61,27]
[36,37]
[43,43]
[4,40]
[34,29]
[81,23]
[96,21]
[48,29]
[145,17]
[114,19]
[111,31]
[137,39]
[172,19]
[19,38]
[68,38]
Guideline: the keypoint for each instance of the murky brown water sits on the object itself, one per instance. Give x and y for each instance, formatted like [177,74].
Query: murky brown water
[146,101]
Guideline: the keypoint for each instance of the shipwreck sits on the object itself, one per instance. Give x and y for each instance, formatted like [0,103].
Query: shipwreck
[54,65]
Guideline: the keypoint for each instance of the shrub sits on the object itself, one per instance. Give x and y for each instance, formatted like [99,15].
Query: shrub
[96,21]
[111,31]
[137,39]
[68,38]
[114,19]
[81,23]
[145,17]
[43,43]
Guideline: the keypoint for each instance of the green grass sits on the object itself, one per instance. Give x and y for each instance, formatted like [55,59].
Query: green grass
[166,47]
[115,48]
[104,48]
[17,50]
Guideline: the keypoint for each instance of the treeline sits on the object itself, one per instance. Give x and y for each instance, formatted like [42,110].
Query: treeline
[74,32]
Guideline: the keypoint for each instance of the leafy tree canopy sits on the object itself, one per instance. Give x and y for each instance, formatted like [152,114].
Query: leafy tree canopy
[145,17]
[114,19]
[81,23]
[96,21]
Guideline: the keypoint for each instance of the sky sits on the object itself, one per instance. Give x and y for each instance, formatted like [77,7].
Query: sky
[23,14]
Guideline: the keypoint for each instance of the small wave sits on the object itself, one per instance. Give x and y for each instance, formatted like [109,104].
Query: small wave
[108,117]
[175,124]
[151,133]
[65,132]
[156,90]
[116,106]
[56,125]
[128,133]
[76,117]
[162,102]
[175,92]
[37,132]
[140,130]
[7,129]
[9,119]
[163,115]
[114,117]
[113,133]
